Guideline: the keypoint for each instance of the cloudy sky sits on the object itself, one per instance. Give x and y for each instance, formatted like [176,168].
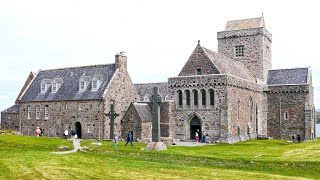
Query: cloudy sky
[158,36]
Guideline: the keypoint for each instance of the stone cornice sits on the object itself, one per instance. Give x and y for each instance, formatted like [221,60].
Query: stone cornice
[243,33]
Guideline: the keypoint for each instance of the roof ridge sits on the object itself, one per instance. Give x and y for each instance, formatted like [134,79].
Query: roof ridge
[288,68]
[74,67]
[245,19]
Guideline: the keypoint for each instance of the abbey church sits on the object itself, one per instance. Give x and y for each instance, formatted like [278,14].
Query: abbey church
[233,94]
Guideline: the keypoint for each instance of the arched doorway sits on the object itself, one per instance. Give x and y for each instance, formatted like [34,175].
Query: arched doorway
[195,124]
[78,129]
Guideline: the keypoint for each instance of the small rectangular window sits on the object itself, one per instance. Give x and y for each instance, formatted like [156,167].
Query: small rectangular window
[43,88]
[199,72]
[29,112]
[66,106]
[94,85]
[239,51]
[89,128]
[79,106]
[46,112]
[37,112]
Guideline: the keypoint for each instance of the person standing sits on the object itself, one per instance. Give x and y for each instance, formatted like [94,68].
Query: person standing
[66,133]
[197,137]
[115,138]
[73,133]
[129,138]
[293,138]
[299,138]
[204,134]
[38,132]
[41,131]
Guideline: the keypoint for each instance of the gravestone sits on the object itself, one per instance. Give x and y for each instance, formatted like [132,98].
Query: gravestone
[156,144]
[112,115]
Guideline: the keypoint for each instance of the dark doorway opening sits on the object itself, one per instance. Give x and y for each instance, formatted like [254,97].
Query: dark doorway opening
[78,129]
[195,125]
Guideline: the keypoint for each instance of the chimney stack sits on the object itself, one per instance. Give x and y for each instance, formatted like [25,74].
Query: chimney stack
[121,61]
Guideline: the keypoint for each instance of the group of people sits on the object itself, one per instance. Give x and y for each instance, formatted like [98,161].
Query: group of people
[39,132]
[72,133]
[116,138]
[294,138]
[203,136]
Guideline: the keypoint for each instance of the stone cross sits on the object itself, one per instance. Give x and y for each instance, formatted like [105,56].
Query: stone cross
[112,115]
[155,111]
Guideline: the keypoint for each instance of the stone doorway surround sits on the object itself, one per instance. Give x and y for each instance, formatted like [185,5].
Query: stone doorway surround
[78,129]
[194,123]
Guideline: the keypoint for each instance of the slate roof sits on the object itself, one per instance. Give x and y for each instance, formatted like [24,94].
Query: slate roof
[227,65]
[69,89]
[146,89]
[288,76]
[144,111]
[12,109]
[244,24]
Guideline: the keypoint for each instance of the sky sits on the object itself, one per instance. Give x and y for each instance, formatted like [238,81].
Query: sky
[157,36]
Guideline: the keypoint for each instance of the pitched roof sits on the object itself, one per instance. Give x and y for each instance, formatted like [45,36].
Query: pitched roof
[227,65]
[69,89]
[144,111]
[288,76]
[12,109]
[245,24]
[145,89]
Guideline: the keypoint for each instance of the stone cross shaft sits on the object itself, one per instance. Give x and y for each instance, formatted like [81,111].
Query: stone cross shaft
[112,115]
[155,111]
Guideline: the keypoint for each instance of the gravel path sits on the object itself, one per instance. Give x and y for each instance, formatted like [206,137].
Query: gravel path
[76,144]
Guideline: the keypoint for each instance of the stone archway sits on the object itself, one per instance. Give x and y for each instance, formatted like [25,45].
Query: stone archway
[195,124]
[78,129]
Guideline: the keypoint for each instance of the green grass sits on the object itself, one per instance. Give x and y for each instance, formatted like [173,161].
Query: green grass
[31,158]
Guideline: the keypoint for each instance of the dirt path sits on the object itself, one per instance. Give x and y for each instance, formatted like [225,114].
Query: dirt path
[76,144]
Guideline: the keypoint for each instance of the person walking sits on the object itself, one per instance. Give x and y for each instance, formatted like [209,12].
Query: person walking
[115,138]
[129,138]
[73,133]
[41,131]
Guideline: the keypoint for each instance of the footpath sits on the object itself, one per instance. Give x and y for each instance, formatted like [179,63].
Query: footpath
[76,144]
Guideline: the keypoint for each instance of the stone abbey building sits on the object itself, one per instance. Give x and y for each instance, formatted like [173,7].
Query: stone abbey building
[234,95]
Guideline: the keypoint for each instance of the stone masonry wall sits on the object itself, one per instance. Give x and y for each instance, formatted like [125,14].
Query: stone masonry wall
[88,113]
[290,100]
[132,121]
[122,91]
[10,121]
[257,49]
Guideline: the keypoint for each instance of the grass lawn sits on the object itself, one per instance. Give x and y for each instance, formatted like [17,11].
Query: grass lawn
[24,157]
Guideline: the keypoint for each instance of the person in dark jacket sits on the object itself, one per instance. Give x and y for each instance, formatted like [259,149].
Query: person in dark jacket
[129,138]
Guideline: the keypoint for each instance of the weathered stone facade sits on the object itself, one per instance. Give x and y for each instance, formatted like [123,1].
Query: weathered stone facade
[10,118]
[79,100]
[138,118]
[231,94]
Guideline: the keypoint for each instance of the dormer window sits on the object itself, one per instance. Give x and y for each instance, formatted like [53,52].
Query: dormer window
[45,84]
[96,82]
[56,83]
[83,83]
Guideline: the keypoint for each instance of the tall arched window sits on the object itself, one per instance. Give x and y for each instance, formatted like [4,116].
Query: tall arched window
[211,92]
[204,98]
[195,97]
[180,97]
[187,97]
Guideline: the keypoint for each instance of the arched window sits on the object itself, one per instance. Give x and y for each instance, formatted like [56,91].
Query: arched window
[187,97]
[180,97]
[211,92]
[204,98]
[195,97]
